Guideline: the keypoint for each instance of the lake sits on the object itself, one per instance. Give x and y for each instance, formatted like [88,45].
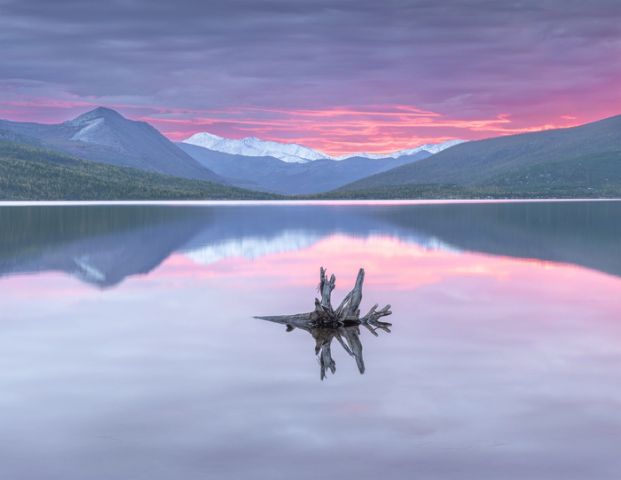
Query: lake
[128,347]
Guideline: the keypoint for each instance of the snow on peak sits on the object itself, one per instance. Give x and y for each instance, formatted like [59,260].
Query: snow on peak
[432,148]
[291,152]
[88,130]
[98,113]
[255,147]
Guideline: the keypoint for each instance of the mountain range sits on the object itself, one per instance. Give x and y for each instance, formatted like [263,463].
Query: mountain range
[103,155]
[291,152]
[255,147]
[270,174]
[577,161]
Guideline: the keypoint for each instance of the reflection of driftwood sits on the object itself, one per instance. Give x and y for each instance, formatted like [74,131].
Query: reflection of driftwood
[325,323]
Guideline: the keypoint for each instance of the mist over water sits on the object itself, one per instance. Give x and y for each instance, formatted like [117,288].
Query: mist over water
[128,347]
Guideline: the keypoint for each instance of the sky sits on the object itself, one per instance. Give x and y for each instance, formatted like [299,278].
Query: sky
[340,76]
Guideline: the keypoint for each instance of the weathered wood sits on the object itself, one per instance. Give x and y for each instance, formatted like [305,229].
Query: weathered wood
[348,311]
[349,306]
[300,320]
[325,287]
[374,314]
[324,323]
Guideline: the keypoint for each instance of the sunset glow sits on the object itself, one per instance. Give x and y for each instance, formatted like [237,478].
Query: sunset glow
[335,131]
[337,78]
[274,239]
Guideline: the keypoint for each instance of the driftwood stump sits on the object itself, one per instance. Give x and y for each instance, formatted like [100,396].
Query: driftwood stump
[325,323]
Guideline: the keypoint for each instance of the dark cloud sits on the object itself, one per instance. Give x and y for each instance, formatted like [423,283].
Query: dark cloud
[466,58]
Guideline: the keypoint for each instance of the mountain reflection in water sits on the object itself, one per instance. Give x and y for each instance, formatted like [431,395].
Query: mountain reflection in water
[103,245]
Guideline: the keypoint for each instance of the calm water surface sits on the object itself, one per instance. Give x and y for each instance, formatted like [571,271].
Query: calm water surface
[128,347]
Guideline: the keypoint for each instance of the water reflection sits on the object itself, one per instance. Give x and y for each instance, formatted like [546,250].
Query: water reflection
[347,336]
[500,367]
[103,245]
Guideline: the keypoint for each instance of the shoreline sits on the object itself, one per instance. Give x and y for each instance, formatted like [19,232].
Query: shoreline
[26,203]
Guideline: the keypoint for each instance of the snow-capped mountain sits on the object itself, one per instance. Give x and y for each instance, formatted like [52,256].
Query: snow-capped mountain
[255,147]
[432,148]
[291,152]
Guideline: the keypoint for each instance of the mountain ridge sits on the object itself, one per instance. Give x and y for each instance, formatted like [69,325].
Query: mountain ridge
[30,173]
[293,152]
[581,157]
[105,136]
[581,161]
[270,174]
[255,147]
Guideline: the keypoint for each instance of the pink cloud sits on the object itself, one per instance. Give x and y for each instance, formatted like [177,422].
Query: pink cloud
[335,130]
